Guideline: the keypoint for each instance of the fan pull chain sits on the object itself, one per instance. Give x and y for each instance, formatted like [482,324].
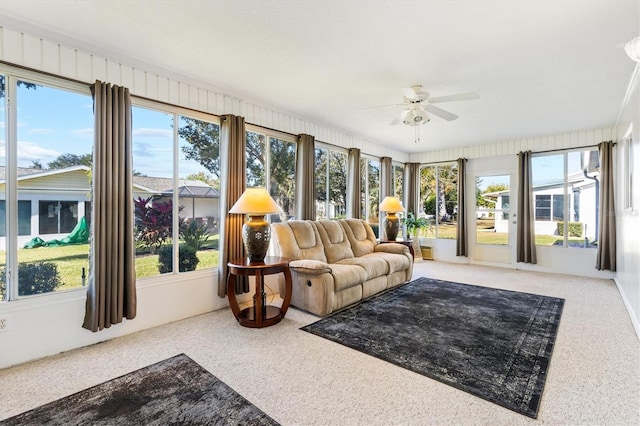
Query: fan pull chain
[417,134]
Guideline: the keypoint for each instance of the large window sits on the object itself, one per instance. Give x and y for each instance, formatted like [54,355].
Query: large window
[49,145]
[370,184]
[566,188]
[439,200]
[24,218]
[176,192]
[492,209]
[398,180]
[331,183]
[271,163]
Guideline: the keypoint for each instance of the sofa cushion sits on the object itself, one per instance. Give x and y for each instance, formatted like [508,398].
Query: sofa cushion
[336,244]
[395,263]
[309,266]
[345,276]
[360,235]
[298,239]
[373,266]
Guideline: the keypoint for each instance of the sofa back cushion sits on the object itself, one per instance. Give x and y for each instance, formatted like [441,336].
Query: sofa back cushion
[336,244]
[361,237]
[298,239]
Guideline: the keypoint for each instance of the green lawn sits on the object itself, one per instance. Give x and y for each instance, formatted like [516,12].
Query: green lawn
[486,235]
[71,260]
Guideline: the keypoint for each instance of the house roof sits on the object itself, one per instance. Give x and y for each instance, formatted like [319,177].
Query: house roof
[187,188]
[161,186]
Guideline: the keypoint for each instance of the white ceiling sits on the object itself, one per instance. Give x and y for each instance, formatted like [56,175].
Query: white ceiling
[540,67]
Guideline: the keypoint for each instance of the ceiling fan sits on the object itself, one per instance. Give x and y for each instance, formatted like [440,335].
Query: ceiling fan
[419,103]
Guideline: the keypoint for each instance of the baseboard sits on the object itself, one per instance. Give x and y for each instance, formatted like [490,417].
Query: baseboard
[627,305]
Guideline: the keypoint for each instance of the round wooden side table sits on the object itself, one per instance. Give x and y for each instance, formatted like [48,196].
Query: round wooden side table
[260,314]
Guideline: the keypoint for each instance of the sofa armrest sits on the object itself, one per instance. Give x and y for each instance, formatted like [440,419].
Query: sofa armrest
[392,248]
[309,266]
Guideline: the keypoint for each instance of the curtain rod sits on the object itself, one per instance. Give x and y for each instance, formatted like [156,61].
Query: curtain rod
[569,149]
[49,74]
[533,152]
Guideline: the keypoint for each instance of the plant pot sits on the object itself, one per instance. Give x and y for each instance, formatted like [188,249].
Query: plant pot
[427,252]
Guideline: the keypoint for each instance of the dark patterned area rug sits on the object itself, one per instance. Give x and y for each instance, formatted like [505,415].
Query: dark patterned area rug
[495,344]
[173,391]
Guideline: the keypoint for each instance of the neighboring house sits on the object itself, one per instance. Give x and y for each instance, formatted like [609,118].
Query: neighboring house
[549,205]
[200,202]
[50,202]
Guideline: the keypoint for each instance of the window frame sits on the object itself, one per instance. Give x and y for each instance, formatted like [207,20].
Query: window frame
[175,112]
[570,196]
[329,150]
[270,134]
[436,222]
[12,75]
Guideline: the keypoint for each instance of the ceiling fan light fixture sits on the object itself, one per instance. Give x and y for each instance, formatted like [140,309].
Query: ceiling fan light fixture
[415,117]
[633,49]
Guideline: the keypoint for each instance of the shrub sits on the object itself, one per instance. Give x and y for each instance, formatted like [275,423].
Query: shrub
[33,278]
[153,222]
[575,229]
[187,259]
[195,235]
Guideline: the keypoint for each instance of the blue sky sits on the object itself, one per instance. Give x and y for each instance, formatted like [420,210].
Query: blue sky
[52,122]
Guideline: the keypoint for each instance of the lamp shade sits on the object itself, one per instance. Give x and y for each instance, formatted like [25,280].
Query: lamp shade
[255,201]
[391,205]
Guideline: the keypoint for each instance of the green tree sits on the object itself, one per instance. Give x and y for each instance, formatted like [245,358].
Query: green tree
[68,160]
[204,147]
[36,164]
[439,190]
[20,83]
[204,143]
[206,178]
[494,187]
[337,177]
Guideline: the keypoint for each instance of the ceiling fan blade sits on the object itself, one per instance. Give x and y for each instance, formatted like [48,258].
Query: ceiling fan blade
[399,118]
[440,112]
[457,97]
[420,92]
[381,106]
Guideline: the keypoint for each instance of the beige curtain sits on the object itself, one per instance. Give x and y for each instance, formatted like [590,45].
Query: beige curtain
[461,238]
[386,188]
[412,188]
[606,256]
[305,178]
[354,190]
[111,295]
[233,183]
[525,226]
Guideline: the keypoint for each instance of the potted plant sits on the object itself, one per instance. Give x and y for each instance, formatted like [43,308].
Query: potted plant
[414,224]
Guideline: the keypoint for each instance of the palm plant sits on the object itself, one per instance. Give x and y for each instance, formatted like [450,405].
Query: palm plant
[414,224]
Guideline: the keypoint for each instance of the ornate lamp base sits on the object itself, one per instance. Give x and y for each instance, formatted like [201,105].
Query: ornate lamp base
[391,226]
[256,233]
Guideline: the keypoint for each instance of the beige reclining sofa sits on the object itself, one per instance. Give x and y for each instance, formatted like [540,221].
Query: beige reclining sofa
[336,263]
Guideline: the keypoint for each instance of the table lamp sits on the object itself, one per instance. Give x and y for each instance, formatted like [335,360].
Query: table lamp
[391,223]
[256,232]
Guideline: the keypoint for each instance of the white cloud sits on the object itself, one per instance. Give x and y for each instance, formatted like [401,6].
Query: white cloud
[41,131]
[152,133]
[83,132]
[29,151]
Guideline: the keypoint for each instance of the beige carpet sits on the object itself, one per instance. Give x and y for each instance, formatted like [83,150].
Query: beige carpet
[301,379]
